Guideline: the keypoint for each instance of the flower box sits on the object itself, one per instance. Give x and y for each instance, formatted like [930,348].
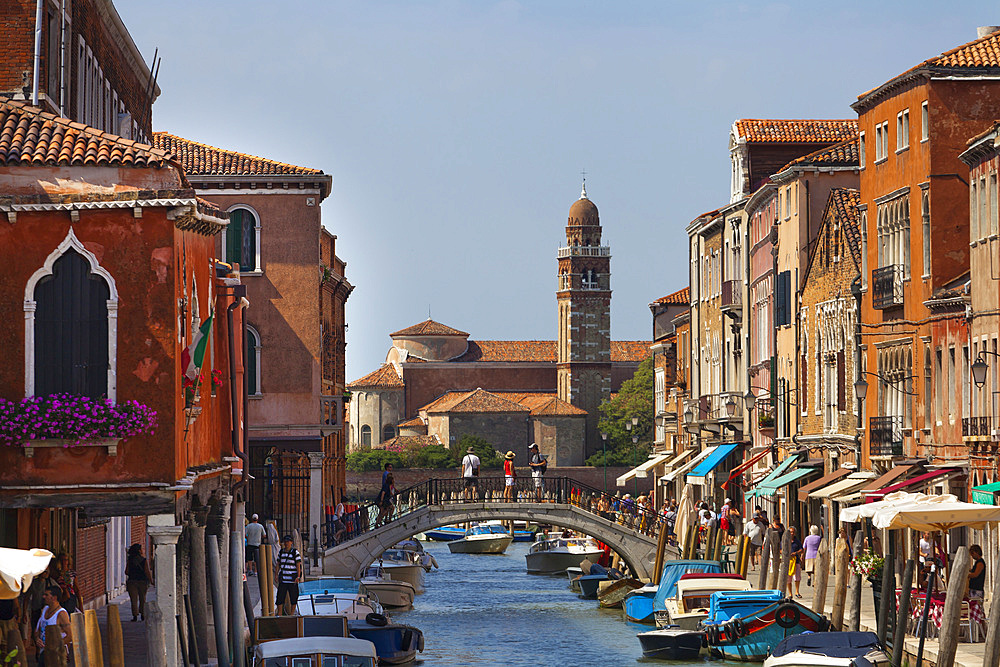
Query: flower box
[30,446]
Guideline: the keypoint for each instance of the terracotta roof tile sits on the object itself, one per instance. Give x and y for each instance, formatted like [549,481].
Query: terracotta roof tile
[480,400]
[535,351]
[428,328]
[845,202]
[29,135]
[629,350]
[416,421]
[804,131]
[842,154]
[537,403]
[401,442]
[384,377]
[203,160]
[681,297]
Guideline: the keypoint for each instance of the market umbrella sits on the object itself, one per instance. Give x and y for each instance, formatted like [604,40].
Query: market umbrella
[867,510]
[18,567]
[685,511]
[935,513]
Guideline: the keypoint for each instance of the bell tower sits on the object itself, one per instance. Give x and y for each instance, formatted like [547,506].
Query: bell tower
[583,357]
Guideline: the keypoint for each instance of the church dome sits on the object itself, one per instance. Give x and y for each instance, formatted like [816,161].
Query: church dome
[583,212]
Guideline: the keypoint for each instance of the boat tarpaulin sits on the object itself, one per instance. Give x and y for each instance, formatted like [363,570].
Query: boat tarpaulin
[674,474]
[830,644]
[708,465]
[986,494]
[642,469]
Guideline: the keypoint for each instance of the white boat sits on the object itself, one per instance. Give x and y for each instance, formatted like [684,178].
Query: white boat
[315,651]
[574,574]
[482,539]
[829,649]
[552,555]
[353,606]
[402,565]
[694,590]
[391,593]
[413,545]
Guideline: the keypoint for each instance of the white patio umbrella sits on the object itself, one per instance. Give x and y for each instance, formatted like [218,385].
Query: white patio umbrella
[18,567]
[935,513]
[685,510]
[867,510]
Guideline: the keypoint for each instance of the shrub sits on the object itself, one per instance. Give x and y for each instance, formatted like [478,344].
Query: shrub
[431,456]
[372,459]
[489,457]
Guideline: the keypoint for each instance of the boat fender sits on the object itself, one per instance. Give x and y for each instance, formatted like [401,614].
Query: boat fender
[407,642]
[704,640]
[420,642]
[712,633]
[787,616]
[377,620]
[739,629]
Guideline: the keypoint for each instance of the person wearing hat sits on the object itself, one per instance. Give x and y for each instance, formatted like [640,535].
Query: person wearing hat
[254,534]
[538,465]
[289,576]
[508,475]
[470,473]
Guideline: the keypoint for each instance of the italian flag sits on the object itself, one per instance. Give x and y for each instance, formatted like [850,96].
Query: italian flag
[194,354]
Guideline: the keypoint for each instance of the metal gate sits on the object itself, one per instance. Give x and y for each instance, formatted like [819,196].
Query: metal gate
[279,490]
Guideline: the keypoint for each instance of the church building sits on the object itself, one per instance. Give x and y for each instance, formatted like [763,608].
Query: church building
[437,384]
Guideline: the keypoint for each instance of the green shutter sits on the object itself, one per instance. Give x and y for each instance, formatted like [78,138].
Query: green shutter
[234,238]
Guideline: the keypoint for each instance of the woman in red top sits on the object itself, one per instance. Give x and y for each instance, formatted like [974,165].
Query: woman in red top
[509,474]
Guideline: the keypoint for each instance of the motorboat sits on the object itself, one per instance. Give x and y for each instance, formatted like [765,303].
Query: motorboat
[552,555]
[829,649]
[445,533]
[395,643]
[689,607]
[483,538]
[390,593]
[591,581]
[671,643]
[269,628]
[640,605]
[403,565]
[330,585]
[612,595]
[413,545]
[346,651]
[336,596]
[574,574]
[748,625]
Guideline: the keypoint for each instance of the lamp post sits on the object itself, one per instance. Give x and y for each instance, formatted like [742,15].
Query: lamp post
[604,450]
[635,455]
[980,368]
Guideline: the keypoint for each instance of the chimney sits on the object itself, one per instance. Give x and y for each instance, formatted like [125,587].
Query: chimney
[984,30]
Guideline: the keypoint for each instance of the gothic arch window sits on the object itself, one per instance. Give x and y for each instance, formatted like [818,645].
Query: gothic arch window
[71,325]
[388,432]
[366,436]
[241,239]
[252,362]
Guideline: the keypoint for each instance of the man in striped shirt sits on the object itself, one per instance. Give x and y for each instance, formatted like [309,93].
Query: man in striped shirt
[289,576]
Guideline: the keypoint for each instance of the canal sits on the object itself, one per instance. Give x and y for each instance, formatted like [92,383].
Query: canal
[486,610]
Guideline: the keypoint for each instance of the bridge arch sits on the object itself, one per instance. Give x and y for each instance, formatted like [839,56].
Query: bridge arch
[352,557]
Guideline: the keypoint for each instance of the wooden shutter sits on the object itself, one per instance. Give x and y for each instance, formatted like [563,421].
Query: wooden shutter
[249,249]
[841,382]
[804,387]
[234,238]
[779,300]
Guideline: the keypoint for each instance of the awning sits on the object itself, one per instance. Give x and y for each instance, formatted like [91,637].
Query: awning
[873,491]
[986,494]
[710,462]
[642,469]
[774,474]
[926,477]
[825,480]
[771,488]
[674,474]
[674,462]
[853,481]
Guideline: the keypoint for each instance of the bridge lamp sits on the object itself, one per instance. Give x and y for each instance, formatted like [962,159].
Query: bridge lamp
[604,450]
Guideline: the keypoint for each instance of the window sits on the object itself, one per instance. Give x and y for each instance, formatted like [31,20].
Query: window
[783,297]
[925,122]
[366,436]
[241,239]
[881,141]
[71,325]
[928,387]
[864,250]
[993,204]
[965,378]
[950,396]
[925,217]
[894,234]
[903,130]
[939,402]
[984,208]
[788,202]
[973,211]
[878,143]
[251,363]
[659,401]
[861,150]
[388,432]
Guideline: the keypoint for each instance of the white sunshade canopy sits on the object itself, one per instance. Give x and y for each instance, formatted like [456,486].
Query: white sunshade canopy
[642,469]
[674,474]
[849,483]
[867,510]
[18,567]
[934,513]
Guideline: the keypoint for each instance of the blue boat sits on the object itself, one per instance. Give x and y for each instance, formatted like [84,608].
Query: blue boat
[394,643]
[445,533]
[328,585]
[747,625]
[641,604]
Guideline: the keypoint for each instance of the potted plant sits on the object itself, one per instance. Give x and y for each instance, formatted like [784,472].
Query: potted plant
[869,565]
[765,420]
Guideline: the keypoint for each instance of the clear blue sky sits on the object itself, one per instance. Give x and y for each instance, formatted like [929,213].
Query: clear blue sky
[456,131]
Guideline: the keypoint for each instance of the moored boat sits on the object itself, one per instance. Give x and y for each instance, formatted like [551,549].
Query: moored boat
[444,533]
[671,643]
[829,649]
[689,607]
[482,539]
[552,555]
[314,651]
[403,565]
[351,605]
[394,643]
[747,625]
[611,596]
[391,593]
[574,574]
[640,605]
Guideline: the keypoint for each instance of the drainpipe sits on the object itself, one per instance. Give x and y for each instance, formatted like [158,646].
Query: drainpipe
[238,449]
[37,64]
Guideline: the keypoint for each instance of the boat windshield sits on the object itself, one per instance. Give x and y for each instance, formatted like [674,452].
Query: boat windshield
[498,529]
[321,660]
[698,600]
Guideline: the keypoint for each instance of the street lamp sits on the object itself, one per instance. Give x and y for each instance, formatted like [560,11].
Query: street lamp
[635,453]
[979,368]
[731,406]
[860,389]
[604,449]
[750,400]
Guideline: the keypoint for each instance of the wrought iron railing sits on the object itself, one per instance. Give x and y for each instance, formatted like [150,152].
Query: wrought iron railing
[490,491]
[885,436]
[977,426]
[887,286]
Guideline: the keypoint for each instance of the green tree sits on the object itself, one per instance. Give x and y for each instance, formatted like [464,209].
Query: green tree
[431,456]
[372,459]
[634,400]
[489,457]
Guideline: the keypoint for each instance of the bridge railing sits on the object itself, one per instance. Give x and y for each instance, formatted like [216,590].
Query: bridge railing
[491,490]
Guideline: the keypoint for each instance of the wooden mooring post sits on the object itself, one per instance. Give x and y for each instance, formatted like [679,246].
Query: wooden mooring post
[903,614]
[822,576]
[842,557]
[958,582]
[765,559]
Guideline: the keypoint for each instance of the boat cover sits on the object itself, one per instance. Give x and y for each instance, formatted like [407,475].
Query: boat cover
[673,570]
[831,644]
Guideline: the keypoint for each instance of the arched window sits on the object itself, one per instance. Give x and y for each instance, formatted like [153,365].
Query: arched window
[366,436]
[251,364]
[71,325]
[388,432]
[241,239]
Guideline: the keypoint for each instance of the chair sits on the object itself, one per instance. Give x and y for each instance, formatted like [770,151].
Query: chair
[965,623]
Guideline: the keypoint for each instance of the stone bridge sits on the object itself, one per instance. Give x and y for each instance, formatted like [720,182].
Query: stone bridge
[566,503]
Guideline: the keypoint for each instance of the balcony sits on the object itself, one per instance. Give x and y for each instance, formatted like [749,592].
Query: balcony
[732,295]
[584,251]
[331,414]
[885,437]
[978,428]
[887,287]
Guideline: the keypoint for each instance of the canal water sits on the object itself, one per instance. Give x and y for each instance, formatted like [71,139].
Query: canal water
[486,610]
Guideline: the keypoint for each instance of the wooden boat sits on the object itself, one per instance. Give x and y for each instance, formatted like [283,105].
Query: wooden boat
[748,625]
[482,539]
[395,643]
[640,605]
[829,649]
[613,594]
[552,555]
[574,574]
[689,607]
[315,651]
[391,593]
[671,643]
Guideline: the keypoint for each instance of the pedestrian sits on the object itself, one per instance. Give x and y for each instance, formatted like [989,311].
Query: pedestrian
[470,473]
[10,619]
[70,597]
[778,528]
[926,547]
[509,474]
[339,527]
[34,601]
[734,522]
[724,518]
[386,496]
[289,576]
[254,534]
[977,573]
[53,614]
[795,560]
[138,579]
[754,530]
[538,465]
[811,546]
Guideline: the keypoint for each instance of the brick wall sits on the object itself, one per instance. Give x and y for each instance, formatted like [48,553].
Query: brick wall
[90,564]
[137,534]
[17,22]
